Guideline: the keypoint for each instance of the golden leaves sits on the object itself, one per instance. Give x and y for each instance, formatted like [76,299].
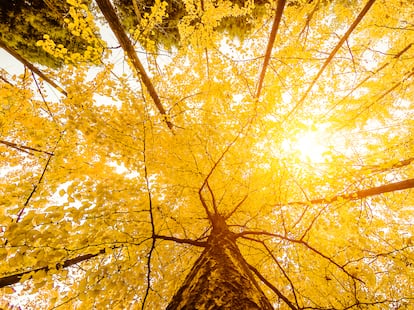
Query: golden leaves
[352,133]
[80,22]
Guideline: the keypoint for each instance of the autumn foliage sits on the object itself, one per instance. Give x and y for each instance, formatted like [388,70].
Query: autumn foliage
[115,167]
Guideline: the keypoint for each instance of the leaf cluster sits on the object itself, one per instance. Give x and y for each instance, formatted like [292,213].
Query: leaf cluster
[26,23]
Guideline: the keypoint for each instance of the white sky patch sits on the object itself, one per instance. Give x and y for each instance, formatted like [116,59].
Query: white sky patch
[287,98]
[5,170]
[100,100]
[121,169]
[403,109]
[57,196]
[237,100]
[9,63]
[369,58]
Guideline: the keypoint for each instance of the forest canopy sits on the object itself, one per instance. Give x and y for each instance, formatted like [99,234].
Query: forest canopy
[135,147]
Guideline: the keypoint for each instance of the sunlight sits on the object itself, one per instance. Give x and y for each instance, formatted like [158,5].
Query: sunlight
[308,146]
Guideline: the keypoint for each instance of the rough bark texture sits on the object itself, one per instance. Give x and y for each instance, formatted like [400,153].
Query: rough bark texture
[220,278]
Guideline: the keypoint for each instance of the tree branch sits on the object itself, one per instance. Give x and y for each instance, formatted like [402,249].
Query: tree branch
[151,214]
[362,109]
[185,241]
[15,278]
[19,215]
[24,148]
[307,245]
[391,187]
[272,37]
[32,67]
[110,15]
[395,57]
[271,286]
[332,54]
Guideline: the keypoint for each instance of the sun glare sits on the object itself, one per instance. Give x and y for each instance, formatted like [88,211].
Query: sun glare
[308,146]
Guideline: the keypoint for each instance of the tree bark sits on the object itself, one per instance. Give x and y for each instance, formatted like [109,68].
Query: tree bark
[220,278]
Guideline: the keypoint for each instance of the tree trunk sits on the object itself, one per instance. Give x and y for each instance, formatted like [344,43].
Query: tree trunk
[220,278]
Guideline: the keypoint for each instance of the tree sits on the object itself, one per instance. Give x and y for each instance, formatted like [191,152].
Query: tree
[274,172]
[140,16]
[47,32]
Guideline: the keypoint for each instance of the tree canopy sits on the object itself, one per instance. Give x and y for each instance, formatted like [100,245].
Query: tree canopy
[295,144]
[37,29]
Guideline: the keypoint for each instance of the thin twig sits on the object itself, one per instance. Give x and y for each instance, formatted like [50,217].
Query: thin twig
[5,80]
[271,286]
[35,187]
[19,215]
[395,57]
[269,251]
[43,97]
[236,207]
[307,245]
[205,182]
[147,184]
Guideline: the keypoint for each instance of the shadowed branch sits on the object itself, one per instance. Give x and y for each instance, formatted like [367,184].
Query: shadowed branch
[15,278]
[387,188]
[113,21]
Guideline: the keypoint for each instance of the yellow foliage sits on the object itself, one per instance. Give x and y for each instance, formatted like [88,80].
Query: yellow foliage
[98,174]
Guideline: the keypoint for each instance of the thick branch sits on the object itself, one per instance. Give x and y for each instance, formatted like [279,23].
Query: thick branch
[332,54]
[24,148]
[13,279]
[110,15]
[399,164]
[179,240]
[32,67]
[392,187]
[272,37]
